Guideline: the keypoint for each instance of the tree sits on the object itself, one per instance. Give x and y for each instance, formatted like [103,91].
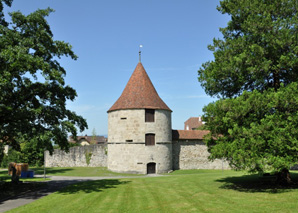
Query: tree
[33,92]
[93,139]
[254,73]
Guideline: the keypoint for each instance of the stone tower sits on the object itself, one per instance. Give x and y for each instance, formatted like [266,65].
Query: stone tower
[139,129]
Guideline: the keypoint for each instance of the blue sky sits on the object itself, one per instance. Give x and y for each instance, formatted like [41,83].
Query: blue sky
[106,34]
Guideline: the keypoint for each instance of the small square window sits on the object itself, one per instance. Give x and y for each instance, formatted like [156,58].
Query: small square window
[149,115]
[150,139]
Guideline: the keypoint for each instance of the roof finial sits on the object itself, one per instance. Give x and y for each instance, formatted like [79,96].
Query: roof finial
[140,52]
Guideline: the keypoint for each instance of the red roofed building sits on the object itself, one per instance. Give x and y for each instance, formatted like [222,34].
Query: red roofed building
[141,139]
[189,135]
[193,123]
[140,136]
[87,140]
[139,128]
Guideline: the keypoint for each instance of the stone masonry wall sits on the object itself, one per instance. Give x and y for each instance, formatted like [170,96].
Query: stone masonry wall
[78,157]
[126,146]
[130,125]
[133,158]
[193,154]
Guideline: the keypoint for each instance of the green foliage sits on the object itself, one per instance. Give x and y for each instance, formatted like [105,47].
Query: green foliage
[70,145]
[254,124]
[33,92]
[32,152]
[202,127]
[29,151]
[74,144]
[88,156]
[93,139]
[255,131]
[259,49]
[12,156]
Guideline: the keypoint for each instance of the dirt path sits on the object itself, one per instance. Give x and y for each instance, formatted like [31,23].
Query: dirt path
[55,184]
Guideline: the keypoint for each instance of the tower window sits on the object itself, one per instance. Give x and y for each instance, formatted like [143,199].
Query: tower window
[150,139]
[149,115]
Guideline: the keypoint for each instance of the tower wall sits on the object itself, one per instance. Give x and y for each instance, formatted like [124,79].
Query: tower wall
[127,151]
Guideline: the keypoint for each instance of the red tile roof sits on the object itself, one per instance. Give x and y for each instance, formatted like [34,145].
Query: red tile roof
[193,123]
[189,134]
[139,93]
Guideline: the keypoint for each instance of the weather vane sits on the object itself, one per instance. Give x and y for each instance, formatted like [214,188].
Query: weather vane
[140,52]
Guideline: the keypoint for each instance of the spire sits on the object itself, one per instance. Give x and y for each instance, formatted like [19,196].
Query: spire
[139,93]
[140,53]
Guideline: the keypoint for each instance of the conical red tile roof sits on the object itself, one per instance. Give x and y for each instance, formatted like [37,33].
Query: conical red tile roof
[139,93]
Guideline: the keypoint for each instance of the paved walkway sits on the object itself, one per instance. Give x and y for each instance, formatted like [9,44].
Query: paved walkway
[56,183]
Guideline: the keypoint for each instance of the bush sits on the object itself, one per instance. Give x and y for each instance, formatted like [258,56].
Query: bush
[12,156]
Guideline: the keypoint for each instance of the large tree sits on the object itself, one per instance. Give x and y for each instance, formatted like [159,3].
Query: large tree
[33,92]
[254,74]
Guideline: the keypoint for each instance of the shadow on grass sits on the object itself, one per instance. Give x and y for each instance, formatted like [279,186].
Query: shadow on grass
[92,186]
[257,183]
[9,190]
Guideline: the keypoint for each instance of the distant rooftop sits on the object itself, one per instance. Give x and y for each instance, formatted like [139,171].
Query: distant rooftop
[96,139]
[193,123]
[189,134]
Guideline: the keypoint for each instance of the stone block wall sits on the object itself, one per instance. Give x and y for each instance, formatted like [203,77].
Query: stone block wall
[186,154]
[133,158]
[130,125]
[193,154]
[78,157]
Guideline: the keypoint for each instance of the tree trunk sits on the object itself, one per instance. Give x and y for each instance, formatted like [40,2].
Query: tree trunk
[283,177]
[14,176]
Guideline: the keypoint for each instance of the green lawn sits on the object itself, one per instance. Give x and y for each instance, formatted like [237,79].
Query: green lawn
[181,191]
[79,172]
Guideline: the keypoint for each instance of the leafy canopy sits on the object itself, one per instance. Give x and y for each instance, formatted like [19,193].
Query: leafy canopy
[33,92]
[255,75]
[258,50]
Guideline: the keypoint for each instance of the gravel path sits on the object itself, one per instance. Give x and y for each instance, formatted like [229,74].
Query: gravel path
[56,183]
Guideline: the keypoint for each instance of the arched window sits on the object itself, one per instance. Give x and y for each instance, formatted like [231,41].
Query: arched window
[150,139]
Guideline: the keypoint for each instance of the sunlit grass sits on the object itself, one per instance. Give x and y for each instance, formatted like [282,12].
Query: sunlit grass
[80,172]
[182,191]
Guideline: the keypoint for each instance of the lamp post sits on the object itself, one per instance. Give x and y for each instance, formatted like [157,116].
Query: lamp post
[44,164]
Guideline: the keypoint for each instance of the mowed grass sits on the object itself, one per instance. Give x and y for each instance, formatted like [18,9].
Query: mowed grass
[182,191]
[79,172]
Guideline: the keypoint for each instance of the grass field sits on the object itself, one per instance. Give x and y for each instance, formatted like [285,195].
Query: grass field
[8,190]
[79,172]
[182,191]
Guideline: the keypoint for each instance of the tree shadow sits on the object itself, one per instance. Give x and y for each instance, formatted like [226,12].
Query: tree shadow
[10,191]
[92,186]
[64,187]
[257,183]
